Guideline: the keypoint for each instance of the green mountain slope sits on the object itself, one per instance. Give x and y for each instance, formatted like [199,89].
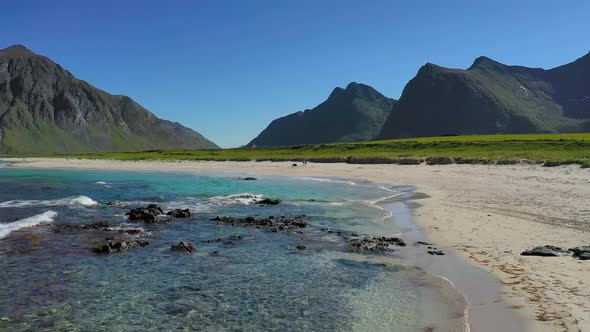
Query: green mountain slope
[356,113]
[491,98]
[45,109]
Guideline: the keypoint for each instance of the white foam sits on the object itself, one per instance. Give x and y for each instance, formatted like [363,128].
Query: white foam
[100,182]
[44,217]
[68,201]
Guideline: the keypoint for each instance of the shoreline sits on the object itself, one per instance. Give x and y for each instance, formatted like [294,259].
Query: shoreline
[485,214]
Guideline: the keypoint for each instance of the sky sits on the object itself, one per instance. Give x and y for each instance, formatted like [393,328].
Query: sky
[228,68]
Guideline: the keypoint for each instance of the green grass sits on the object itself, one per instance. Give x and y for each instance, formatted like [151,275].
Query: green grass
[535,147]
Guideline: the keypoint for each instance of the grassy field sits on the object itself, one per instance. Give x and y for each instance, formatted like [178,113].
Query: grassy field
[558,148]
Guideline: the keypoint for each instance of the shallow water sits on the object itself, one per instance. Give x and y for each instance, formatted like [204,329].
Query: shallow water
[53,281]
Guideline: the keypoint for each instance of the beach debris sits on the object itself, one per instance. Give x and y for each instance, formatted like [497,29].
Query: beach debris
[374,243]
[184,246]
[179,213]
[112,245]
[582,252]
[272,223]
[547,251]
[149,214]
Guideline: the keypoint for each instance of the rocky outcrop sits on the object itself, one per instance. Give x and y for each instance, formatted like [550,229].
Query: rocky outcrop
[179,213]
[110,246]
[547,251]
[274,224]
[149,214]
[374,243]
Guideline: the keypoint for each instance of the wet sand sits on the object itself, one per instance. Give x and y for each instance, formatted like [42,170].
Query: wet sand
[484,215]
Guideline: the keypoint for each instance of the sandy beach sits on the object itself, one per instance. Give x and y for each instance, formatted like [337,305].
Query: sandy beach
[487,215]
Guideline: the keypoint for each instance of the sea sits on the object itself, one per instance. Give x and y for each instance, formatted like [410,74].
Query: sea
[238,279]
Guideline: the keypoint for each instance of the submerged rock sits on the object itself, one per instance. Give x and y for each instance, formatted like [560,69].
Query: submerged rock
[547,251]
[114,245]
[268,201]
[101,225]
[179,213]
[183,246]
[272,223]
[374,243]
[248,178]
[149,214]
[436,252]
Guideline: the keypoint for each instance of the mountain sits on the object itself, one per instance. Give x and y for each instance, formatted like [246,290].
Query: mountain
[491,98]
[45,109]
[356,113]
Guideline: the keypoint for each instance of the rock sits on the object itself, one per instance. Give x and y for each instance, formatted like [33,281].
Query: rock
[268,201]
[582,252]
[422,243]
[439,160]
[183,246]
[116,203]
[435,252]
[409,161]
[374,243]
[118,245]
[149,214]
[101,225]
[301,247]
[294,165]
[179,213]
[547,251]
[274,224]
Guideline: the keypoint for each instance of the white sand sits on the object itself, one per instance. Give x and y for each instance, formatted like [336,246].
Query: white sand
[486,214]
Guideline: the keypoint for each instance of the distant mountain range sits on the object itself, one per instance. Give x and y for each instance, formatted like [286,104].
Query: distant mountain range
[45,109]
[487,98]
[356,113]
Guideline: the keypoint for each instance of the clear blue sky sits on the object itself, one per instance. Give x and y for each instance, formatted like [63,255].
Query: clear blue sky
[227,68]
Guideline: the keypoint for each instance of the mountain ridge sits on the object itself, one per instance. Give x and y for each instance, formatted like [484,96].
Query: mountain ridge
[360,109]
[491,98]
[45,109]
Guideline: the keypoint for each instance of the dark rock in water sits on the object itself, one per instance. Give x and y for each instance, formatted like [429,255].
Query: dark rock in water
[422,243]
[101,225]
[248,178]
[149,214]
[180,213]
[547,251]
[436,252]
[116,203]
[301,247]
[582,252]
[439,160]
[183,246]
[374,243]
[274,224]
[268,201]
[114,245]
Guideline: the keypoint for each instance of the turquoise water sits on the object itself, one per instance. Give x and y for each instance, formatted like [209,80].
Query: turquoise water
[52,281]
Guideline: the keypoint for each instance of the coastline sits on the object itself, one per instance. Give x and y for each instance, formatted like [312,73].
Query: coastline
[485,214]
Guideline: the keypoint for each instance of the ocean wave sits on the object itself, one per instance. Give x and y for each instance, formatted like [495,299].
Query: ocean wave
[68,201]
[44,217]
[202,204]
